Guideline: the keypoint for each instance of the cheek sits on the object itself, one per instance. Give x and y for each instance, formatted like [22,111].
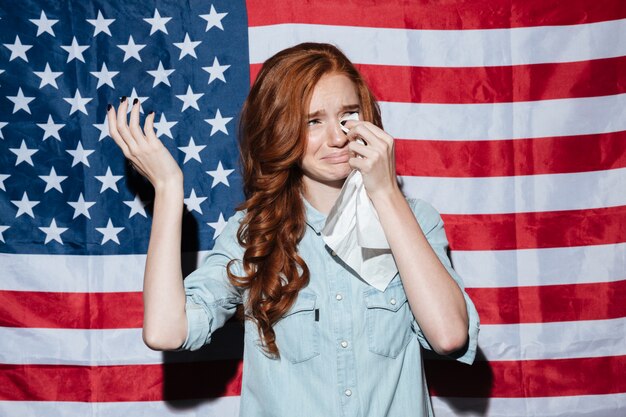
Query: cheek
[312,145]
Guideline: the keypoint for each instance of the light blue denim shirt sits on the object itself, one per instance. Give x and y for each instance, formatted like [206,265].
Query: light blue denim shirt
[346,348]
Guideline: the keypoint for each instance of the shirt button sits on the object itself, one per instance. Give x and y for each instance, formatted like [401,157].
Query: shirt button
[392,301]
[339,297]
[348,392]
[333,253]
[344,344]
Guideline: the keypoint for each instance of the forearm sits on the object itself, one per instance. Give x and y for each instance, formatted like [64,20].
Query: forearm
[165,322]
[434,297]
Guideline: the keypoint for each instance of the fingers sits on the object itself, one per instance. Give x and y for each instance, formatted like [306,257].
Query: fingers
[113,132]
[134,127]
[148,127]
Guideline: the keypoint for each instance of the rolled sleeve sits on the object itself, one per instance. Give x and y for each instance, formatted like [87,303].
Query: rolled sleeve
[211,299]
[432,225]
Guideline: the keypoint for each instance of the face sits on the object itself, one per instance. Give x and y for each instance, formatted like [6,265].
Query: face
[326,158]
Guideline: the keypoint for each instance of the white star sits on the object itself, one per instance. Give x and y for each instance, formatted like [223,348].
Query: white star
[103,128]
[48,77]
[80,155]
[53,232]
[220,175]
[51,129]
[160,75]
[2,178]
[219,226]
[157,22]
[131,49]
[189,99]
[81,206]
[109,233]
[131,99]
[53,180]
[78,103]
[218,123]
[2,124]
[101,24]
[25,206]
[109,181]
[104,76]
[213,19]
[2,229]
[18,50]
[23,154]
[75,50]
[44,24]
[20,101]
[216,71]
[192,151]
[193,202]
[187,47]
[163,127]
[137,206]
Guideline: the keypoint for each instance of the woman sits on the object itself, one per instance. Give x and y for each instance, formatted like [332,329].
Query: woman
[319,341]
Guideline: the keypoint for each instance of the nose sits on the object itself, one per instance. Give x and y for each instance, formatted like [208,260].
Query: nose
[336,136]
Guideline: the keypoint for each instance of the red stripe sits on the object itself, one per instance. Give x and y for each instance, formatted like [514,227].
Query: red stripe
[176,381]
[507,305]
[113,310]
[496,158]
[502,84]
[446,15]
[550,303]
[550,229]
[533,378]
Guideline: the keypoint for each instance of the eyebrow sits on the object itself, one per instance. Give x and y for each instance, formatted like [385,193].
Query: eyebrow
[343,108]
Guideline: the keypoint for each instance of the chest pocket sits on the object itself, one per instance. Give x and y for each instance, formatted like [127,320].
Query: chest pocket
[297,332]
[388,319]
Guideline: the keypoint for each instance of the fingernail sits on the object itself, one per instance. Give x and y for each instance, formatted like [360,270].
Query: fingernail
[123,99]
[109,106]
[150,112]
[135,101]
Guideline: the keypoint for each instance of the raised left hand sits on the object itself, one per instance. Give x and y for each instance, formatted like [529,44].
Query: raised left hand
[377,161]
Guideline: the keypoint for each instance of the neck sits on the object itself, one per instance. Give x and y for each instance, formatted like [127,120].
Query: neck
[322,196]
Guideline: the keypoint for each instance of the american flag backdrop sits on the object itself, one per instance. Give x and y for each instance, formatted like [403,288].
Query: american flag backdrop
[509,117]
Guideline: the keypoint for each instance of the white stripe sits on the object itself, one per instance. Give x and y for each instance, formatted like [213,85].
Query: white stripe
[80,273]
[518,120]
[547,266]
[125,347]
[106,347]
[449,48]
[501,268]
[218,407]
[558,340]
[610,405]
[519,194]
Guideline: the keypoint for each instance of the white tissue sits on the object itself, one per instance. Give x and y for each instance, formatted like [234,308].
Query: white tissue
[353,231]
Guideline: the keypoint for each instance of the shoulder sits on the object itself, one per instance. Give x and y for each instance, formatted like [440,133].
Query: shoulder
[427,216]
[227,238]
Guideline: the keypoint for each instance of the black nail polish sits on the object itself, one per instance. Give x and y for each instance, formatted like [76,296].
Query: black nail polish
[135,101]
[150,112]
[109,106]
[123,99]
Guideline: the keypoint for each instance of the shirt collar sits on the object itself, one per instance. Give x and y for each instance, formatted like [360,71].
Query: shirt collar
[314,218]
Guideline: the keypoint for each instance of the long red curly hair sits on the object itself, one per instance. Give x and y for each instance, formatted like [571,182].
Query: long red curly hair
[273,135]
